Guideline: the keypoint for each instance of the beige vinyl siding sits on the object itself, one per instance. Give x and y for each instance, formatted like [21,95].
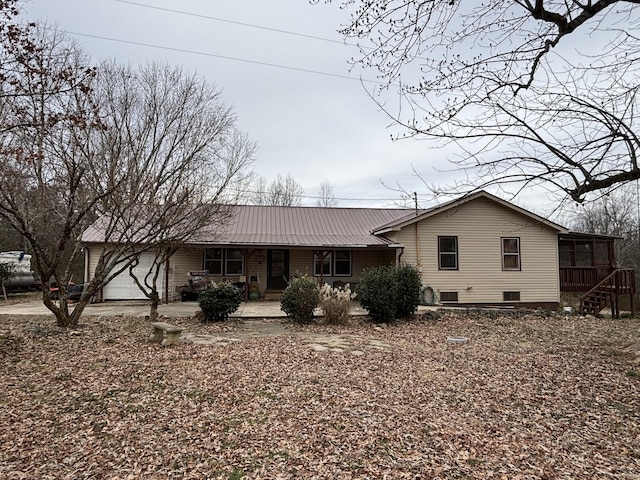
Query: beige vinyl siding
[301,262]
[480,225]
[188,260]
[181,263]
[371,258]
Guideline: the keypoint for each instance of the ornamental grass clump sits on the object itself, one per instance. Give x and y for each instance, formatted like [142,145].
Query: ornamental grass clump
[335,304]
[218,301]
[300,299]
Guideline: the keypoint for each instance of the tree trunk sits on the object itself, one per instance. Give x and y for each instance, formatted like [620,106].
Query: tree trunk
[155,301]
[61,311]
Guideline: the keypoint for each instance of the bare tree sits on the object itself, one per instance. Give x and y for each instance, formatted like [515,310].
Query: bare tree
[327,198]
[80,156]
[282,191]
[614,214]
[186,159]
[502,79]
[45,101]
[6,273]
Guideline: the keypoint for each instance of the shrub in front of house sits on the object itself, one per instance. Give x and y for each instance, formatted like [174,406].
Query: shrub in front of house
[389,292]
[218,301]
[300,299]
[407,290]
[375,292]
[335,304]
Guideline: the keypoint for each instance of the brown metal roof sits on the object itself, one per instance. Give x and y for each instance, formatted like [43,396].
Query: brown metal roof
[319,227]
[294,227]
[305,226]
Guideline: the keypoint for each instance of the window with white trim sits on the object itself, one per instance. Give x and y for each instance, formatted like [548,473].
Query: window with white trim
[321,263]
[332,263]
[511,253]
[342,263]
[234,262]
[224,261]
[213,260]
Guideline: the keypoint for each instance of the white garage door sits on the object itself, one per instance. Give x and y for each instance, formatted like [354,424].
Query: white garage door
[123,287]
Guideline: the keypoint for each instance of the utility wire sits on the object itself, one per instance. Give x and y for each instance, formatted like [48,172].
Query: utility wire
[234,22]
[225,57]
[252,25]
[318,197]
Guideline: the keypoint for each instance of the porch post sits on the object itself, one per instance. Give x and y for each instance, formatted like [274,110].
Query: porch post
[165,294]
[245,254]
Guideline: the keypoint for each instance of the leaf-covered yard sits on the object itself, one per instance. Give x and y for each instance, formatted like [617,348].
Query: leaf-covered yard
[526,397]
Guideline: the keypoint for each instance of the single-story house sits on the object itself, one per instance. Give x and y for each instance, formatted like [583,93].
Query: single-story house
[475,250]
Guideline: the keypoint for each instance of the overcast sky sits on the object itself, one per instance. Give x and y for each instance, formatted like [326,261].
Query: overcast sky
[285,69]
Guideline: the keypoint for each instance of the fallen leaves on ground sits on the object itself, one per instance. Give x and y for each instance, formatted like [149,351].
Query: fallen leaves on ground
[528,397]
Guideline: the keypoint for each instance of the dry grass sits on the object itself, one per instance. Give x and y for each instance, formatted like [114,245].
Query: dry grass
[527,397]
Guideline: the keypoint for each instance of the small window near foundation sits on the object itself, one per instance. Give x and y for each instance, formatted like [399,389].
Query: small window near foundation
[511,296]
[448,296]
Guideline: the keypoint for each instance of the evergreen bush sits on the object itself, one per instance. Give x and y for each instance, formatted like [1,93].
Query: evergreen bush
[300,299]
[375,292]
[218,301]
[408,285]
[389,292]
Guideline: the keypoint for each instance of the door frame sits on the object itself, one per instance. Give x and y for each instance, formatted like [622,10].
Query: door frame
[279,282]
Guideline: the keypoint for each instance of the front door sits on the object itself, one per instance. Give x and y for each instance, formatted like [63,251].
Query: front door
[277,269]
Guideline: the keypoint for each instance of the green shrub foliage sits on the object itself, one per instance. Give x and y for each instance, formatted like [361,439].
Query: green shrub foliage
[407,290]
[300,299]
[375,292]
[389,292]
[218,301]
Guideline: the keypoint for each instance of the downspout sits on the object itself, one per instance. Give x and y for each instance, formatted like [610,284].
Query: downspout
[418,264]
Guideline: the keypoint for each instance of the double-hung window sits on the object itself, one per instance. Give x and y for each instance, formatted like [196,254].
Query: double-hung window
[234,264]
[321,263]
[332,263]
[223,261]
[342,263]
[448,253]
[511,253]
[213,260]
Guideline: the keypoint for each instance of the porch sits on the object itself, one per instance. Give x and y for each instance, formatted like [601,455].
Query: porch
[588,266]
[262,272]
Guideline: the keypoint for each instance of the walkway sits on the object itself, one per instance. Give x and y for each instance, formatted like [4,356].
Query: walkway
[141,309]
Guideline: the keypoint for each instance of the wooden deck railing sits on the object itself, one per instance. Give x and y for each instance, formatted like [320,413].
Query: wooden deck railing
[577,279]
[622,281]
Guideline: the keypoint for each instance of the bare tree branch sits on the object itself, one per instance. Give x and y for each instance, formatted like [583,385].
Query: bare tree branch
[532,91]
